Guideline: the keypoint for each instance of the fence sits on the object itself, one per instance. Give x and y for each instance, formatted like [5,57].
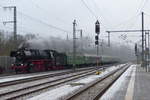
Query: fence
[5,63]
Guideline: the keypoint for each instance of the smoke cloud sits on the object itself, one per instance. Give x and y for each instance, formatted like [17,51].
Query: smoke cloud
[84,45]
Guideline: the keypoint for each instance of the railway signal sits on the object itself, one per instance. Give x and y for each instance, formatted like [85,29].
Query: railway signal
[97,27]
[97,31]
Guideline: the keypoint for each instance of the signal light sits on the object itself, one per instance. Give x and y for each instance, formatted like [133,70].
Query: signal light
[97,27]
[96,37]
[96,42]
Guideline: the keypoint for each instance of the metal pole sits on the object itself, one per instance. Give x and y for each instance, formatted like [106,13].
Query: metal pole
[14,22]
[109,39]
[143,39]
[15,26]
[74,44]
[137,55]
[81,36]
[146,49]
[102,47]
[67,48]
[148,52]
[145,53]
[97,31]
[97,54]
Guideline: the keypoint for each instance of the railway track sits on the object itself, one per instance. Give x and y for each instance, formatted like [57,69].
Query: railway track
[37,77]
[97,88]
[23,87]
[34,73]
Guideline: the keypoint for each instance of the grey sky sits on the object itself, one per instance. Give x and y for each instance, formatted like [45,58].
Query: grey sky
[61,13]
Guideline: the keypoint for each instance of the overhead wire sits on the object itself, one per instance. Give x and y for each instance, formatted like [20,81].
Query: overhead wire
[100,11]
[84,3]
[142,6]
[148,15]
[12,28]
[134,23]
[126,21]
[40,21]
[44,23]
[95,16]
[45,11]
[20,30]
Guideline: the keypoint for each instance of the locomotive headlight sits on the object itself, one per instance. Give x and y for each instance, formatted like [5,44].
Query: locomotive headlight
[12,64]
[21,64]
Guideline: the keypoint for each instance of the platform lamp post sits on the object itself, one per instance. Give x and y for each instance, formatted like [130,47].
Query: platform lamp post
[97,31]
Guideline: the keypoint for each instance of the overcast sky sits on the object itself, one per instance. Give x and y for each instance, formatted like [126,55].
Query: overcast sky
[36,16]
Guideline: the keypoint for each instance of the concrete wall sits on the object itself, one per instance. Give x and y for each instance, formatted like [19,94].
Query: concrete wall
[5,63]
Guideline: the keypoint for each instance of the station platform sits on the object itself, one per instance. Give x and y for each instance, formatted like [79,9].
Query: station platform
[142,85]
[134,84]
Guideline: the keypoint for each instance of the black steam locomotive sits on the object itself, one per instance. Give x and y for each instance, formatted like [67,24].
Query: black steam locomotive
[31,60]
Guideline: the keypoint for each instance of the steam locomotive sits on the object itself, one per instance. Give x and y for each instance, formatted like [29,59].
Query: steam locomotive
[34,60]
